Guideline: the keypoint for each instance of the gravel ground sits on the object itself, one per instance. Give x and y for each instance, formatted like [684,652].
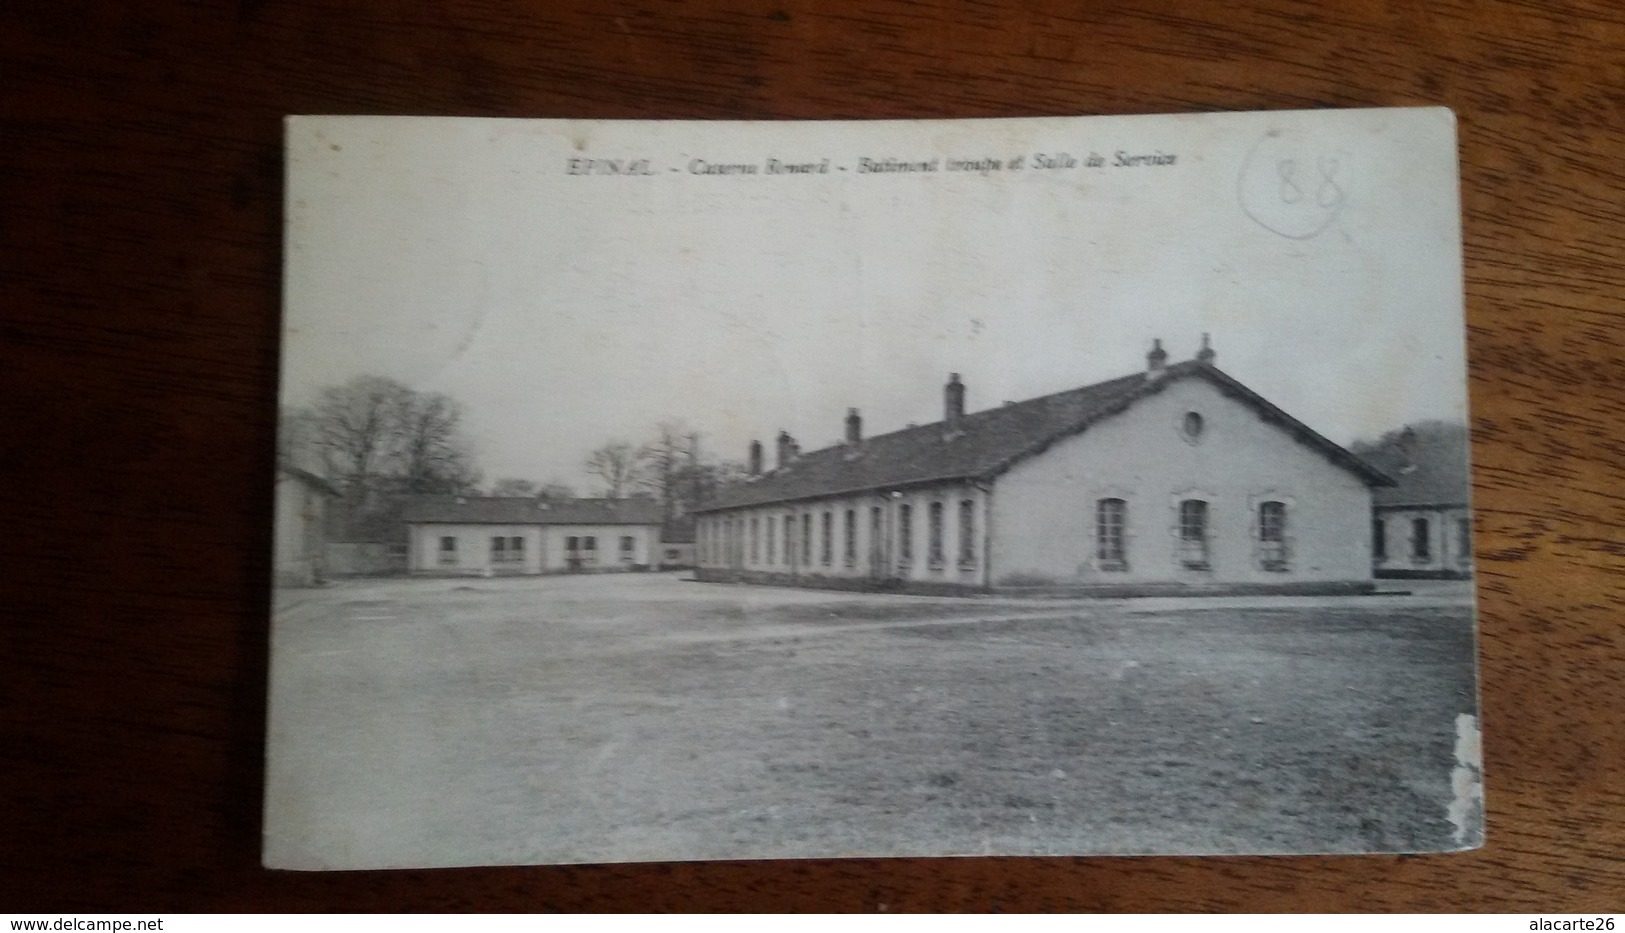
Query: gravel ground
[616,718]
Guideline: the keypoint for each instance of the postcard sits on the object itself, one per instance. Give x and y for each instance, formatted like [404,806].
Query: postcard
[670,491]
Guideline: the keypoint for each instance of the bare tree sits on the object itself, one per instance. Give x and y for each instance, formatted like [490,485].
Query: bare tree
[357,425]
[297,442]
[382,442]
[510,486]
[432,456]
[666,461]
[713,477]
[619,464]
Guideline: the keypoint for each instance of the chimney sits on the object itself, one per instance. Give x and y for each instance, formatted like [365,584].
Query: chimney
[1156,359]
[787,449]
[1205,355]
[854,427]
[1408,444]
[756,458]
[953,402]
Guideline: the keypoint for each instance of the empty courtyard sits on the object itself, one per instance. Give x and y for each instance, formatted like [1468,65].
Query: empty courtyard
[642,716]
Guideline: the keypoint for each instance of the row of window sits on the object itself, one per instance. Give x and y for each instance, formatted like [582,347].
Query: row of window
[1421,540]
[590,543]
[511,550]
[731,539]
[1112,522]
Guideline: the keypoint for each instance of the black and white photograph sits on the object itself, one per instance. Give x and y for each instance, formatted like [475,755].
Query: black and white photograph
[674,491]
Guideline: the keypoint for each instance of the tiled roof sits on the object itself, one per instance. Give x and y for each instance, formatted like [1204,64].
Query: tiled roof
[529,510]
[989,442]
[1429,468]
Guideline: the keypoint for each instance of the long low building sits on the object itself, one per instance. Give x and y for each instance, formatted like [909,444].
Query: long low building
[492,535]
[1174,479]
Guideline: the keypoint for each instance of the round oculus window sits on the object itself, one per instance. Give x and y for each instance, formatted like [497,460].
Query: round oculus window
[1192,426]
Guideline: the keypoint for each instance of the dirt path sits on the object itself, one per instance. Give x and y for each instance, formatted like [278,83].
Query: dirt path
[600,720]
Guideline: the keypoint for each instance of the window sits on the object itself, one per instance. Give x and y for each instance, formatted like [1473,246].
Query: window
[628,545]
[507,550]
[934,531]
[572,543]
[1272,535]
[877,554]
[1192,426]
[1464,541]
[1421,541]
[1379,539]
[905,534]
[755,539]
[829,539]
[967,533]
[589,543]
[772,538]
[789,540]
[448,549]
[1111,516]
[806,538]
[849,539]
[1193,534]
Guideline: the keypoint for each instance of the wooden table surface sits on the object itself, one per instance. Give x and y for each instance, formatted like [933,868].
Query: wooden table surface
[140,169]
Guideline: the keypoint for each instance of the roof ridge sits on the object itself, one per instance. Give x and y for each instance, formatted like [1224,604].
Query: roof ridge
[985,443]
[1134,377]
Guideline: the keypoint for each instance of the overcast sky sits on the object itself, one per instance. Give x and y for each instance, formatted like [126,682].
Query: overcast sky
[1320,250]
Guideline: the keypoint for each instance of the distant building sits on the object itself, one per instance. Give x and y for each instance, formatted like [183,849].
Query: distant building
[677,544]
[1421,526]
[302,499]
[1176,479]
[526,535]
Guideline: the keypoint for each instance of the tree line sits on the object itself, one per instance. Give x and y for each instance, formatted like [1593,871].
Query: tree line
[381,443]
[374,437]
[669,466]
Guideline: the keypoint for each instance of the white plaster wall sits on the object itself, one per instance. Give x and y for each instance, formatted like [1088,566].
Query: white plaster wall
[1446,550]
[298,531]
[1044,508]
[725,540]
[473,548]
[645,539]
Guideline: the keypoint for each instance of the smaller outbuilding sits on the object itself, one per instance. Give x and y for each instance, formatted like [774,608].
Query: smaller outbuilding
[677,544]
[501,535]
[1421,526]
[301,512]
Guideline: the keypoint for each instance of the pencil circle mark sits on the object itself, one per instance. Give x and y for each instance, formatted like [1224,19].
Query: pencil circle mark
[1288,189]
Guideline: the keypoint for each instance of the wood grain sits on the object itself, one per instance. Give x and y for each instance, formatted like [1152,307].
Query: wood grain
[139,244]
